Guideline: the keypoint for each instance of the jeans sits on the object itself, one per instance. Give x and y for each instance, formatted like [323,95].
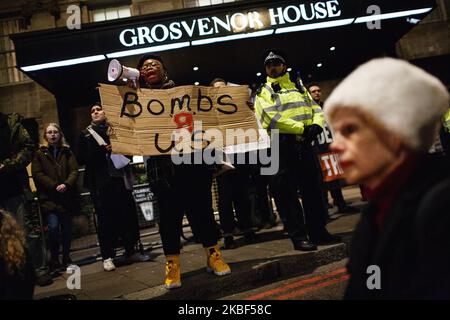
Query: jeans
[54,221]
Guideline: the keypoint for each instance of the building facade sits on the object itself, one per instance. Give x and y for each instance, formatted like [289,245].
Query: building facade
[20,94]
[427,45]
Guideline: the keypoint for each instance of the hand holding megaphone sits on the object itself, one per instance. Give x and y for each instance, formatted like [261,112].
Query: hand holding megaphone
[117,71]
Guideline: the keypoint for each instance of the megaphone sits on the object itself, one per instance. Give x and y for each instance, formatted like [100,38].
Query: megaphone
[117,71]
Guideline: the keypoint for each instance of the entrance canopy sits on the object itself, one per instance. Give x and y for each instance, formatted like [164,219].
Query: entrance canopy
[323,40]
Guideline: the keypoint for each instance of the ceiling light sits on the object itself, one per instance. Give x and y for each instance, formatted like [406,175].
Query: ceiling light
[195,68]
[392,15]
[313,26]
[233,37]
[163,47]
[63,63]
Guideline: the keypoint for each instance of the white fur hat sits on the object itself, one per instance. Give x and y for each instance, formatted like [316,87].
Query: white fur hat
[401,97]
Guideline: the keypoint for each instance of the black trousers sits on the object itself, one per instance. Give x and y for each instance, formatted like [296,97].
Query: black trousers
[299,167]
[233,190]
[336,194]
[264,211]
[189,191]
[116,217]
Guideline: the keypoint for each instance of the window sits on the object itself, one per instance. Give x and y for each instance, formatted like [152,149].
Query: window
[202,3]
[8,71]
[110,13]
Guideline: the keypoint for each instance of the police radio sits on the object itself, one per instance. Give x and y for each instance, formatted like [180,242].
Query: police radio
[299,83]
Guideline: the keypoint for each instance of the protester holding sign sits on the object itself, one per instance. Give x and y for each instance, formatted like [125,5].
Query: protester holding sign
[180,188]
[282,105]
[234,192]
[385,116]
[110,181]
[329,161]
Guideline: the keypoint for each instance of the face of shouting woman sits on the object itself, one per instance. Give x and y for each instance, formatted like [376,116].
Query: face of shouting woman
[152,71]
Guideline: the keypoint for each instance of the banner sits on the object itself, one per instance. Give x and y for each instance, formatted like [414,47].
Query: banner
[333,175]
[187,118]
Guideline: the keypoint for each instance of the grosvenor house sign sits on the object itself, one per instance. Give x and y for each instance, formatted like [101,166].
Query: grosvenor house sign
[227,24]
[186,30]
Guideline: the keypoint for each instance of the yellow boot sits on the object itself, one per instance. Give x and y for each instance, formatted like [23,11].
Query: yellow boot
[215,261]
[173,272]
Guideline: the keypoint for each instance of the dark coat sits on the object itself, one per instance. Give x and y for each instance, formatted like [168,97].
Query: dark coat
[95,158]
[49,172]
[99,167]
[413,248]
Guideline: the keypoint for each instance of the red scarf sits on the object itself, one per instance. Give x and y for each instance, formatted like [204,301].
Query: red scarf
[384,195]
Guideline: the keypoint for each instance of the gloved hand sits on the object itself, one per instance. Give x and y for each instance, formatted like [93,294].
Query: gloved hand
[311,133]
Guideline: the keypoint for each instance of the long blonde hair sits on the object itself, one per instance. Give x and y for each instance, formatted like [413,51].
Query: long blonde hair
[12,244]
[62,141]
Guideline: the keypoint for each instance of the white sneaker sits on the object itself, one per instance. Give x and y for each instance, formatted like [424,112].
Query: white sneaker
[108,265]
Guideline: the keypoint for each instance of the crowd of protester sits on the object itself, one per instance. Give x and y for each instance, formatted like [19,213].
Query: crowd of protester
[297,189]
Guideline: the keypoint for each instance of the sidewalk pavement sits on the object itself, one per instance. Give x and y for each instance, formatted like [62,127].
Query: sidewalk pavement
[271,259]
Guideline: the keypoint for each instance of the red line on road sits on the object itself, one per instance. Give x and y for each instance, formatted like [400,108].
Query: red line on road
[313,288]
[296,284]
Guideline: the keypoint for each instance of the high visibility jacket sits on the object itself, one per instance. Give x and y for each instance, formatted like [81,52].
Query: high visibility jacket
[446,121]
[287,110]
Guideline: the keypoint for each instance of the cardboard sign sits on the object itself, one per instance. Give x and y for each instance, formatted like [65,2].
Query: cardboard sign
[144,121]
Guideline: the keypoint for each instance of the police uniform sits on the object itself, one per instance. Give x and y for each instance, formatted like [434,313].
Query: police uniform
[281,105]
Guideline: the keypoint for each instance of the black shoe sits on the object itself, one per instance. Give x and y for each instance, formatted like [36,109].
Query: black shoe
[44,280]
[237,232]
[269,225]
[250,237]
[54,265]
[228,243]
[66,262]
[326,239]
[347,209]
[303,245]
[193,239]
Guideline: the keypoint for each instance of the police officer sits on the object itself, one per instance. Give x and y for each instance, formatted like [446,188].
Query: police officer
[282,105]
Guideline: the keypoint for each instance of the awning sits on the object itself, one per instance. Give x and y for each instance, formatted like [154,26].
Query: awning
[323,40]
